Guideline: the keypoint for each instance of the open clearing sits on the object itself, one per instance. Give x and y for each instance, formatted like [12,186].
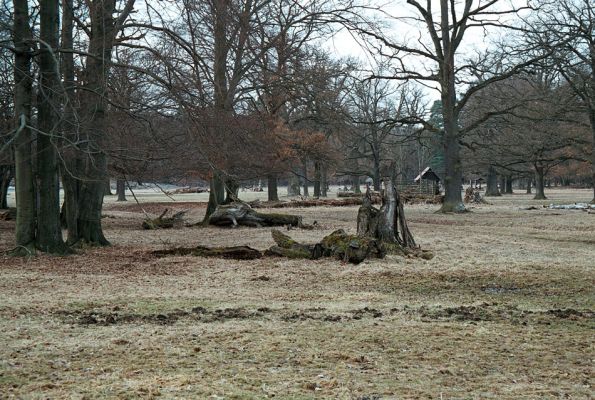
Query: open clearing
[505,310]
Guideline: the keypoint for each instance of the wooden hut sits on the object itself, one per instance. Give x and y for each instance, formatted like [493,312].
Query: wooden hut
[428,182]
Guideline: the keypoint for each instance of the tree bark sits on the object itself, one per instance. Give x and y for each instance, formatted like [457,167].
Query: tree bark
[272,188]
[492,182]
[317,179]
[305,178]
[324,181]
[121,189]
[216,195]
[293,186]
[49,230]
[232,189]
[377,181]
[509,185]
[502,184]
[592,121]
[539,183]
[356,184]
[72,165]
[25,193]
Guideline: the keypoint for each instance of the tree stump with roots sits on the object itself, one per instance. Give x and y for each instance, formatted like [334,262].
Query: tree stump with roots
[387,224]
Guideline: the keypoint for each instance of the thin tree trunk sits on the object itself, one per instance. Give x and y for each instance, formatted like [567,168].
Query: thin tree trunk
[529,183]
[377,181]
[305,178]
[108,188]
[539,183]
[509,185]
[492,182]
[121,189]
[272,188]
[592,121]
[25,193]
[324,181]
[317,178]
[356,184]
[502,184]
[49,231]
[71,166]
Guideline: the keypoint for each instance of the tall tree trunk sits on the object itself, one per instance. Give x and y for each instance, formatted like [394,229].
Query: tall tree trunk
[502,184]
[107,188]
[492,182]
[592,121]
[25,193]
[71,167]
[272,188]
[529,183]
[356,184]
[49,231]
[305,178]
[317,178]
[324,181]
[539,183]
[93,112]
[509,185]
[121,189]
[377,181]
[453,173]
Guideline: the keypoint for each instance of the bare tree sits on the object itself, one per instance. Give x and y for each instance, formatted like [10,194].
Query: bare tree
[437,60]
[569,27]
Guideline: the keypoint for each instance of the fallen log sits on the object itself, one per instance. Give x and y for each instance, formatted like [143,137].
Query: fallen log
[163,222]
[339,244]
[239,213]
[234,252]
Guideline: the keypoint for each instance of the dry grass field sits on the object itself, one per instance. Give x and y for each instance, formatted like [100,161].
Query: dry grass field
[505,310]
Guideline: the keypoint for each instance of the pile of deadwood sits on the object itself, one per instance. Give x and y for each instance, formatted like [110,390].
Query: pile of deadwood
[379,231]
[164,222]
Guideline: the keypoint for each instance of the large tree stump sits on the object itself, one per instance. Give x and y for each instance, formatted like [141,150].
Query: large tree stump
[239,213]
[387,224]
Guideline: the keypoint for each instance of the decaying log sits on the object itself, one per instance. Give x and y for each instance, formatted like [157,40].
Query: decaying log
[163,222]
[234,252]
[340,245]
[239,213]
